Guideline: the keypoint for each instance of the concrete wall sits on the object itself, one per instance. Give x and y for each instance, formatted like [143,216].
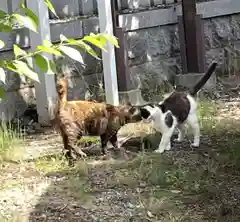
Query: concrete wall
[153,39]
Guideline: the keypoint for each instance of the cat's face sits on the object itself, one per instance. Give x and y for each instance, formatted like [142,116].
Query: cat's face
[147,113]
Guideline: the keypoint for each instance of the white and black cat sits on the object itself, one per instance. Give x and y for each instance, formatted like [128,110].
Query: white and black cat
[178,109]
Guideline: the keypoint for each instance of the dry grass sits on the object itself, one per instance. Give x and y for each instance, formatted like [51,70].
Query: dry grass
[180,185]
[183,184]
[190,185]
[11,143]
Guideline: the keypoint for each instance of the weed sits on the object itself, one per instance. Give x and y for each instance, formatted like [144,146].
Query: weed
[11,143]
[51,163]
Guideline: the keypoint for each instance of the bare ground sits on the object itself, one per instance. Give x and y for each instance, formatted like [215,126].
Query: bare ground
[183,184]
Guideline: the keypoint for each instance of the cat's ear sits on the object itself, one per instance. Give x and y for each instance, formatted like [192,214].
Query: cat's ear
[111,109]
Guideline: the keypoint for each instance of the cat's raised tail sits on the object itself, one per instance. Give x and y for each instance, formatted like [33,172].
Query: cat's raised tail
[203,80]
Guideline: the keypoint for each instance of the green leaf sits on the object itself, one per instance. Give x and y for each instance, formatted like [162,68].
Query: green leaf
[42,62]
[50,6]
[99,38]
[47,43]
[53,67]
[49,50]
[23,69]
[86,47]
[2,44]
[2,75]
[26,21]
[2,63]
[5,28]
[18,51]
[110,38]
[32,15]
[12,67]
[45,65]
[2,93]
[93,40]
[29,61]
[2,14]
[72,53]
[22,4]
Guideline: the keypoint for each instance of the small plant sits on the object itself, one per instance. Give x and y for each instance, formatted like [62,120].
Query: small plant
[10,141]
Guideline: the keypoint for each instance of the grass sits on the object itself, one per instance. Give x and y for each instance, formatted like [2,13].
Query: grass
[11,143]
[173,180]
[87,141]
[58,163]
[180,185]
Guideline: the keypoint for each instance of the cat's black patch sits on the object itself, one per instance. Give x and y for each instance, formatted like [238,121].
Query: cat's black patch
[169,120]
[162,107]
[144,113]
[178,104]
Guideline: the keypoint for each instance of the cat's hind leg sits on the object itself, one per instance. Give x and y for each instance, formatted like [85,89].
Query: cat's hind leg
[192,121]
[181,132]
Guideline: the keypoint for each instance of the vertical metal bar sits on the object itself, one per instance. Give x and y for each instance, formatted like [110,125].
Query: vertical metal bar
[114,4]
[10,6]
[201,43]
[189,21]
[182,45]
[124,81]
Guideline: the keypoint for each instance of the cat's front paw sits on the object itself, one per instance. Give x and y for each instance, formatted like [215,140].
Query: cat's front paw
[159,150]
[178,140]
[168,147]
[195,145]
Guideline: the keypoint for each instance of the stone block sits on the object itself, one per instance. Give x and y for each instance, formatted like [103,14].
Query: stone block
[216,55]
[13,81]
[222,28]
[154,77]
[232,58]
[145,19]
[133,96]
[148,44]
[19,36]
[190,79]
[169,1]
[134,4]
[86,7]
[4,5]
[71,29]
[65,8]
[16,103]
[158,2]
[218,32]
[86,87]
[235,24]
[210,38]
[91,65]
[15,4]
[90,25]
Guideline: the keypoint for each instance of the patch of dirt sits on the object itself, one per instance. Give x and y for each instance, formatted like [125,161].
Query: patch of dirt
[183,184]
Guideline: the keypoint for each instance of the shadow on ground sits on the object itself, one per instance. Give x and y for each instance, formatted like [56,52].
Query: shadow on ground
[180,185]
